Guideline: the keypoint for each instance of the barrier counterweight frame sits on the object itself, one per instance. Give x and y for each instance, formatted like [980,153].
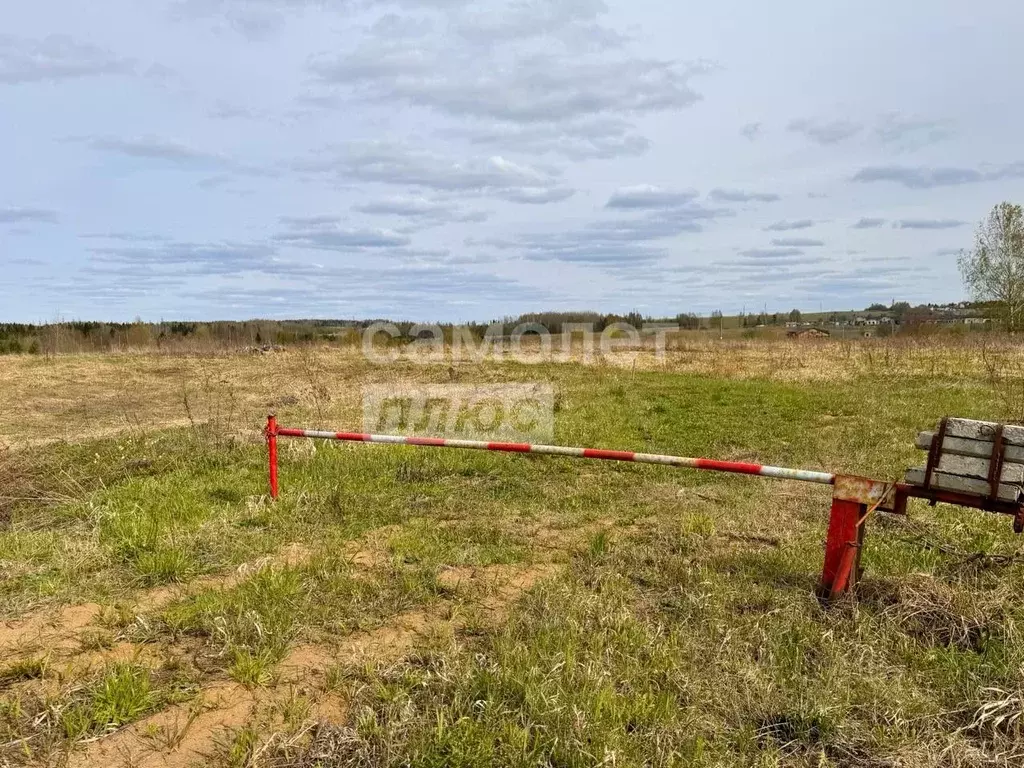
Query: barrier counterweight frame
[853,498]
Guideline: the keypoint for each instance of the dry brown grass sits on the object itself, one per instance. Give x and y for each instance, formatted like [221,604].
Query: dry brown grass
[71,397]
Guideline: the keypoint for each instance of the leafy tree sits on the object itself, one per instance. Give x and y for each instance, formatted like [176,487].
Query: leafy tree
[876,308]
[795,316]
[900,308]
[993,269]
[688,320]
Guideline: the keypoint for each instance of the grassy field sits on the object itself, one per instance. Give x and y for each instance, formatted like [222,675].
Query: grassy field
[402,606]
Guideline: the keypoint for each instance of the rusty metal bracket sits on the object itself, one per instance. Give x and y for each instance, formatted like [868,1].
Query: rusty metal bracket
[875,494]
[934,453]
[995,464]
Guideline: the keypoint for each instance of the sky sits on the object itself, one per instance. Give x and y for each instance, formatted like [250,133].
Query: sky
[446,160]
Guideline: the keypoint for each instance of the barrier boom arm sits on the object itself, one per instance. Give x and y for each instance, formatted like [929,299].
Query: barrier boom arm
[852,497]
[736,467]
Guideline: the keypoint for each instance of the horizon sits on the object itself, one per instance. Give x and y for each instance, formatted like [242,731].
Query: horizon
[192,158]
[507,319]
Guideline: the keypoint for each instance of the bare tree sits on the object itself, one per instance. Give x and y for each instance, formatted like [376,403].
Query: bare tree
[994,268]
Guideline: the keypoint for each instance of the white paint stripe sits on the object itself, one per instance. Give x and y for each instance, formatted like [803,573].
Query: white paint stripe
[672,461]
[476,445]
[806,475]
[390,439]
[557,450]
[317,433]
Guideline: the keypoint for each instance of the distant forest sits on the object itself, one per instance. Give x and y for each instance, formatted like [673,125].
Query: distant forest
[88,336]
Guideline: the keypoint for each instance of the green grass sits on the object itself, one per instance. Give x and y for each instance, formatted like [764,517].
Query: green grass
[253,668]
[647,654]
[683,629]
[258,617]
[123,693]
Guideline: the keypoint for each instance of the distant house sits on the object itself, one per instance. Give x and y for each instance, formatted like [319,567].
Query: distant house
[808,333]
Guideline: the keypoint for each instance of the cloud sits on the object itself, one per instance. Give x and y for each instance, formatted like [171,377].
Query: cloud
[879,258]
[927,224]
[575,22]
[401,165]
[592,138]
[907,133]
[55,58]
[739,196]
[148,264]
[180,156]
[751,131]
[183,258]
[323,233]
[525,62]
[868,223]
[343,239]
[949,251]
[768,254]
[301,222]
[254,19]
[648,196]
[384,288]
[384,291]
[841,284]
[617,242]
[537,195]
[540,88]
[420,209]
[922,177]
[774,269]
[798,242]
[23,215]
[531,77]
[153,148]
[825,133]
[785,226]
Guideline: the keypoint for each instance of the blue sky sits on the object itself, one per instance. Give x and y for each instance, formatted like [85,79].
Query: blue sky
[451,160]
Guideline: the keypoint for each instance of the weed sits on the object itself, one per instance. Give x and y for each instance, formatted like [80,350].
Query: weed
[256,618]
[23,669]
[241,748]
[122,694]
[252,669]
[165,565]
[96,640]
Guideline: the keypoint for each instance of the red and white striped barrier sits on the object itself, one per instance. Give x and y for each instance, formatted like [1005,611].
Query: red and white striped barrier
[737,467]
[853,497]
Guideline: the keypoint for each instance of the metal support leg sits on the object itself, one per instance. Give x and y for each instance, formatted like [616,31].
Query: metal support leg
[272,451]
[842,548]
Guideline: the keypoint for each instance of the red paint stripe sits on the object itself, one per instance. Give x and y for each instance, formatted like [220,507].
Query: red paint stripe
[291,432]
[729,466]
[597,453]
[435,441]
[354,437]
[510,447]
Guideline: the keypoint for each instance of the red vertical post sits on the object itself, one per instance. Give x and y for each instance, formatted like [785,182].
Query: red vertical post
[272,450]
[842,548]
